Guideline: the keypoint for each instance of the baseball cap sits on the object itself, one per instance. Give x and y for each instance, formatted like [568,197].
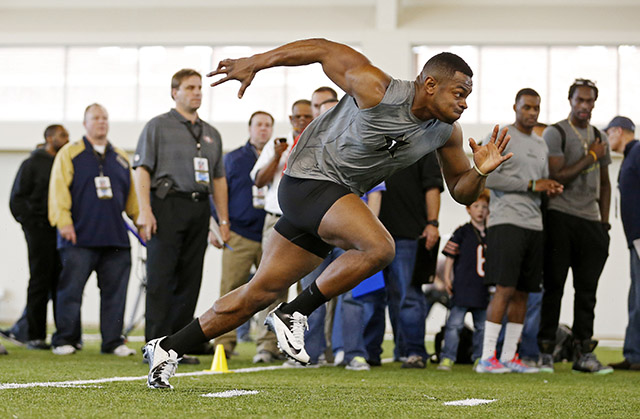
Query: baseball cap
[622,122]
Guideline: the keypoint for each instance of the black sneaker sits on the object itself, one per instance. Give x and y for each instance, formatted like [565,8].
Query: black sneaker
[625,365]
[38,344]
[587,362]
[414,361]
[188,360]
[545,364]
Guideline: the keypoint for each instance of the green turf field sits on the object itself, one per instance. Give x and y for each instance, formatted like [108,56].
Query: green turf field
[386,391]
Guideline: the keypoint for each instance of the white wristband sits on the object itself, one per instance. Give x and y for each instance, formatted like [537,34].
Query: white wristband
[478,170]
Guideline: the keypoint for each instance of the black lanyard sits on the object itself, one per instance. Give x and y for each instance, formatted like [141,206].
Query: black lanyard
[196,136]
[100,157]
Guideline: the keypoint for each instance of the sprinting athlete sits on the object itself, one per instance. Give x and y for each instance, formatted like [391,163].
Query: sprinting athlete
[380,126]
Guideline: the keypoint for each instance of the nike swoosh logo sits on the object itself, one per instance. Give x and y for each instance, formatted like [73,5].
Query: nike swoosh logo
[289,336]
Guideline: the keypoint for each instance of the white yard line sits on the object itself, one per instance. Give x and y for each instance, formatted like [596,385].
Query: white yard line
[90,383]
[469,402]
[84,383]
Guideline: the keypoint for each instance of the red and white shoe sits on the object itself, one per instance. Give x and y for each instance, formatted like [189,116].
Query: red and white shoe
[491,365]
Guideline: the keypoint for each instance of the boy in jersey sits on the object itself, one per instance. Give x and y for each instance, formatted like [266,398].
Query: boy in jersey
[465,260]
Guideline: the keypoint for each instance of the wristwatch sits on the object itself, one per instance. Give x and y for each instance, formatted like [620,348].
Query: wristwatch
[434,223]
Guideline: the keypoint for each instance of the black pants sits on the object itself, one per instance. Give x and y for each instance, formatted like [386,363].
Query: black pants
[175,257]
[44,268]
[579,244]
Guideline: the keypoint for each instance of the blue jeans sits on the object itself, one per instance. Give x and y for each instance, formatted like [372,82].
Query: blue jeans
[374,317]
[407,303]
[631,348]
[314,339]
[365,313]
[349,326]
[455,323]
[529,340]
[112,266]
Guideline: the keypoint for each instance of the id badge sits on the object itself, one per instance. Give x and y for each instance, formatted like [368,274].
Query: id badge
[103,187]
[259,195]
[201,169]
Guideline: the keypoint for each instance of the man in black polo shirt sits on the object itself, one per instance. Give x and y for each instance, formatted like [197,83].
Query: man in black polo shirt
[410,209]
[178,163]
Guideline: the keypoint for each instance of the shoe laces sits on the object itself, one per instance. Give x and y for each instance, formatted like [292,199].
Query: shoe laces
[298,326]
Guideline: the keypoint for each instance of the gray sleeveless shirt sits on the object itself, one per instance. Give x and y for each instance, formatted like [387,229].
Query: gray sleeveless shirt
[359,148]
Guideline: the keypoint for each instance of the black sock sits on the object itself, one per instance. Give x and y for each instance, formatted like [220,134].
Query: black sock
[310,299]
[185,338]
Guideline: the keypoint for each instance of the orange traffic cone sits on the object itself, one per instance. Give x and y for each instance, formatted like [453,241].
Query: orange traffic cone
[219,363]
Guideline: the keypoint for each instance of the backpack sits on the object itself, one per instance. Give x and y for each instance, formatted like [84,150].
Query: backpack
[465,346]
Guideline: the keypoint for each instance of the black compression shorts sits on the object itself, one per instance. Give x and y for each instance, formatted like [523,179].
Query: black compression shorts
[304,202]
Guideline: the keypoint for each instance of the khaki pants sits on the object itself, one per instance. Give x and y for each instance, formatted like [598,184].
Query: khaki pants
[236,268]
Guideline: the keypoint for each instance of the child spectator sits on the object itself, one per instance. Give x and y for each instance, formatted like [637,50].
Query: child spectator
[465,259]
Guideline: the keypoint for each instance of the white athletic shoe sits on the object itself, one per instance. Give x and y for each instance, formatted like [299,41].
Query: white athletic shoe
[162,364]
[123,351]
[289,330]
[63,350]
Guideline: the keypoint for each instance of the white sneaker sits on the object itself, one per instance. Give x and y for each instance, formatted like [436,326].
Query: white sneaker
[358,363]
[289,330]
[338,358]
[123,350]
[64,350]
[263,357]
[162,364]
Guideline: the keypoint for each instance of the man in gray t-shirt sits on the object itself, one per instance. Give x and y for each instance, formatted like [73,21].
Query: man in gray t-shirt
[379,127]
[514,235]
[576,226]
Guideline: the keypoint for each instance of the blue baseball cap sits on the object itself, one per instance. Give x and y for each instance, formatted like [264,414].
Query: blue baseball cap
[622,122]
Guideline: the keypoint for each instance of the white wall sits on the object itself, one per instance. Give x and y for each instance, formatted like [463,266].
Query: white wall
[385,30]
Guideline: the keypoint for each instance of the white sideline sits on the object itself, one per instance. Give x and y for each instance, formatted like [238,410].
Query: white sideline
[83,383]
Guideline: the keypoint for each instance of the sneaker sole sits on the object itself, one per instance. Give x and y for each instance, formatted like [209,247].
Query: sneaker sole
[501,371]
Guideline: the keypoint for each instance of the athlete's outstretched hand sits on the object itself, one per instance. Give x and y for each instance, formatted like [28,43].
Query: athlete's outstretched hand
[489,156]
[242,69]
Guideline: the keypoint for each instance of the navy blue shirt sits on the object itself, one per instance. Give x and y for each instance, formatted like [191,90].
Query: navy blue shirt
[245,220]
[466,246]
[97,222]
[629,184]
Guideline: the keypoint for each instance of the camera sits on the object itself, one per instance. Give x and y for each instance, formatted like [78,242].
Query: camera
[281,140]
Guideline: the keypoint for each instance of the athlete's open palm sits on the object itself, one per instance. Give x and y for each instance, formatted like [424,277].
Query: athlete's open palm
[241,69]
[489,156]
